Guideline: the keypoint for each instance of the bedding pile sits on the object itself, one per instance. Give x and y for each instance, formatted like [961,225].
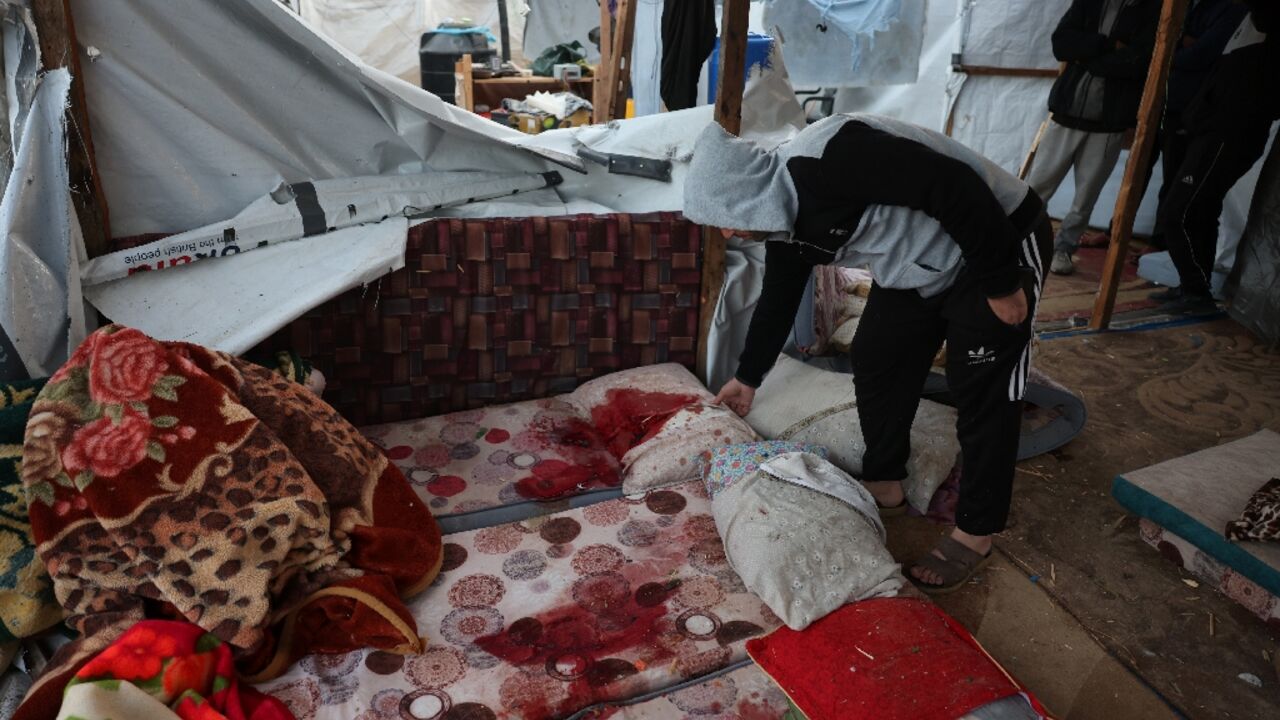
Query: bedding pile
[165,480]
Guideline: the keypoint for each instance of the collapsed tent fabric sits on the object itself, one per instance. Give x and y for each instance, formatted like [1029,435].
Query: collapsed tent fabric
[41,312]
[200,108]
[307,209]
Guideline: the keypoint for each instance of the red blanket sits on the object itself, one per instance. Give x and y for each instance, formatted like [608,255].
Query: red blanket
[168,480]
[883,659]
[187,670]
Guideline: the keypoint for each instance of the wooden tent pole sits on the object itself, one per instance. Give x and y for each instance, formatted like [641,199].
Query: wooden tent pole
[1131,188]
[619,76]
[600,86]
[730,84]
[59,49]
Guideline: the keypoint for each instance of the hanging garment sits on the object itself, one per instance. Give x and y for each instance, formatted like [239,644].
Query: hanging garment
[688,34]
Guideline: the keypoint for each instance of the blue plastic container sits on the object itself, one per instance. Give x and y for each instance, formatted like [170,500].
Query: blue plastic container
[758,49]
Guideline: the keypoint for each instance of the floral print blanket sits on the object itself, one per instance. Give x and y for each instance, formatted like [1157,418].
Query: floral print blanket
[165,480]
[542,618]
[165,670]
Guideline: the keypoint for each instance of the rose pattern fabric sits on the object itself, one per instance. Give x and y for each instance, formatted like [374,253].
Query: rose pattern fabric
[168,480]
[745,693]
[187,674]
[541,618]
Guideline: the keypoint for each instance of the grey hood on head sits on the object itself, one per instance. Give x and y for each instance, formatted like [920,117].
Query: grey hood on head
[733,183]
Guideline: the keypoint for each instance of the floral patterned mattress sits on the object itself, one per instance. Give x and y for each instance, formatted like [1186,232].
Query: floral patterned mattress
[552,615]
[633,429]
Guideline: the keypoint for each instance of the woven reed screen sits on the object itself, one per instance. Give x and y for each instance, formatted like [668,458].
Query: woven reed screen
[494,311]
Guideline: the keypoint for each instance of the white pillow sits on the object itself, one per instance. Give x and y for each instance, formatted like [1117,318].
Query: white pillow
[802,403]
[669,455]
[805,537]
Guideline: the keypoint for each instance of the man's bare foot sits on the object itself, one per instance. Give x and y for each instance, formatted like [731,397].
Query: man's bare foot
[980,544]
[887,494]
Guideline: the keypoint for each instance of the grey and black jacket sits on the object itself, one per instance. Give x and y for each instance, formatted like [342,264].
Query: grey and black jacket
[913,205]
[1107,46]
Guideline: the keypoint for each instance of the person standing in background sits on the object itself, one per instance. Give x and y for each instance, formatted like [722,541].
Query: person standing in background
[1210,24]
[1227,126]
[1106,45]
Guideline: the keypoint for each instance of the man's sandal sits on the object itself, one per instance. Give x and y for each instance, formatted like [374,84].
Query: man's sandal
[957,565]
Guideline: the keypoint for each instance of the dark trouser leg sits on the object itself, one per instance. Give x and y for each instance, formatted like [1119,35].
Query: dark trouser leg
[1175,151]
[897,338]
[987,366]
[1193,204]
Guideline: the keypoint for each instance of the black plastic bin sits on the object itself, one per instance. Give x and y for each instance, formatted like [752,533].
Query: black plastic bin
[441,50]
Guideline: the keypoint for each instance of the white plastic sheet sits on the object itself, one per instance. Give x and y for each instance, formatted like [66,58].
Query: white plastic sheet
[384,33]
[200,108]
[553,22]
[237,302]
[40,306]
[302,210]
[821,53]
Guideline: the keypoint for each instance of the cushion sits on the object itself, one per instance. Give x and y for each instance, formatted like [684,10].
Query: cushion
[1261,517]
[657,420]
[806,404]
[1196,495]
[905,659]
[805,537]
[724,465]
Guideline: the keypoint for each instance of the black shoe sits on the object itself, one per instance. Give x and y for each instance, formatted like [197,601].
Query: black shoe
[1191,304]
[1167,295]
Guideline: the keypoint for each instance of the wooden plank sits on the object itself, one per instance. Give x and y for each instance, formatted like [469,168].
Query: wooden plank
[1025,169]
[1006,72]
[599,96]
[618,70]
[733,65]
[59,49]
[464,70]
[1171,17]
[729,89]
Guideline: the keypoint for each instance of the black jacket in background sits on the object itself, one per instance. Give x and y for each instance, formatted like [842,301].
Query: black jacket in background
[688,33]
[1241,98]
[1211,23]
[1092,57]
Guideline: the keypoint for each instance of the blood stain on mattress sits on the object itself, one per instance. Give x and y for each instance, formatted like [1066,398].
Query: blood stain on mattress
[630,417]
[580,648]
[586,463]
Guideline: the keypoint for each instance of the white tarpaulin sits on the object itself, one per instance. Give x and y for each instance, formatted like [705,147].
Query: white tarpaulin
[876,43]
[383,33]
[303,210]
[200,108]
[237,302]
[40,305]
[555,22]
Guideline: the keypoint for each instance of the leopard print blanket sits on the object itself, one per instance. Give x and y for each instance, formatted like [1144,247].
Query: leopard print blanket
[168,480]
[1261,517]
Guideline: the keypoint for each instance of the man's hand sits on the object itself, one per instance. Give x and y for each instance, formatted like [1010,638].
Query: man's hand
[1011,309]
[738,397]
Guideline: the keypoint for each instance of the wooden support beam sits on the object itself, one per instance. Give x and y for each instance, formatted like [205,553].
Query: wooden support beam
[465,94]
[59,49]
[733,65]
[730,85]
[599,96]
[617,71]
[1170,29]
[1006,72]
